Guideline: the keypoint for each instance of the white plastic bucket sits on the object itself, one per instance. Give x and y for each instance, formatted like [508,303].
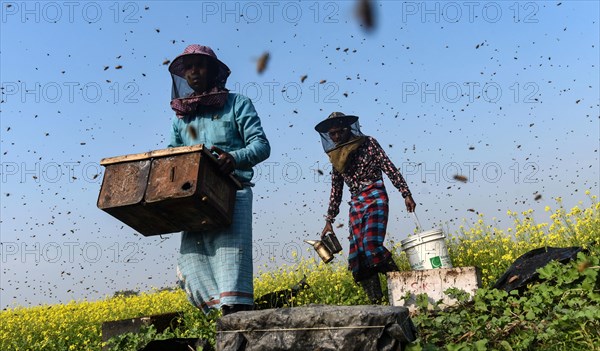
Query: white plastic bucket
[427,250]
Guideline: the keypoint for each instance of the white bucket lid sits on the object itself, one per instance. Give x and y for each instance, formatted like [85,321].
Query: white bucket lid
[425,236]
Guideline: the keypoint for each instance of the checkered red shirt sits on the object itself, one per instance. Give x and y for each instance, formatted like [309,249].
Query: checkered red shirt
[364,168]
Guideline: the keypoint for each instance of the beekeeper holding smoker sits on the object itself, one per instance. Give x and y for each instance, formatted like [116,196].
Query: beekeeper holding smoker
[358,160]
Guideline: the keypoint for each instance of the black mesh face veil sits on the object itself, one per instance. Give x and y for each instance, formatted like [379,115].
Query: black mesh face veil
[217,77]
[181,88]
[329,144]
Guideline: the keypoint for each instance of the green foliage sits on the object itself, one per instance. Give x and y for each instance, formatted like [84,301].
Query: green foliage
[193,324]
[560,312]
[135,341]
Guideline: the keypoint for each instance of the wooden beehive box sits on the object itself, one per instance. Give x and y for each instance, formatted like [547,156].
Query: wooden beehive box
[167,191]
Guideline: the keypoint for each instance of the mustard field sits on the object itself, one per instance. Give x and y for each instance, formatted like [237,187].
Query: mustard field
[77,325]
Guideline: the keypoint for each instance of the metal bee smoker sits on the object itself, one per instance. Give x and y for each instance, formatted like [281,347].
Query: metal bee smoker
[332,243]
[327,247]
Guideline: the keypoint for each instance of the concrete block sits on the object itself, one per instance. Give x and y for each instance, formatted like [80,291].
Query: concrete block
[432,282]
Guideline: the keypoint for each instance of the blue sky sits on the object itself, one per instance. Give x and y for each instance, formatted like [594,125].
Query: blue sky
[505,93]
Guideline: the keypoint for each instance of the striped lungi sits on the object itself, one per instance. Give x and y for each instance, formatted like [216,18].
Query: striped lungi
[368,223]
[215,267]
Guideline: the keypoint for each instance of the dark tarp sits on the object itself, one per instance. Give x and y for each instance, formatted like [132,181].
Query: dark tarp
[317,327]
[523,270]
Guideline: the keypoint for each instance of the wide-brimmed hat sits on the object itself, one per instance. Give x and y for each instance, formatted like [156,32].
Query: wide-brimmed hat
[335,119]
[177,68]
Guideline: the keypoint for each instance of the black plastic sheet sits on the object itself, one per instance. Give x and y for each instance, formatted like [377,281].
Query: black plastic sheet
[523,270]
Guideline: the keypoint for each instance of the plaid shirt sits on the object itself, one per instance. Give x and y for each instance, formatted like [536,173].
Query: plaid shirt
[364,168]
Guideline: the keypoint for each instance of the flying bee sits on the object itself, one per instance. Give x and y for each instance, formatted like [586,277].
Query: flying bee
[460,178]
[261,64]
[192,132]
[365,13]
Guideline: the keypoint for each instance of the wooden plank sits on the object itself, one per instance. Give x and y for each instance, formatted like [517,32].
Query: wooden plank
[166,152]
[156,153]
[404,287]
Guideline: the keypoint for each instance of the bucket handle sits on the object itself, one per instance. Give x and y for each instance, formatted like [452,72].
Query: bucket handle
[417,223]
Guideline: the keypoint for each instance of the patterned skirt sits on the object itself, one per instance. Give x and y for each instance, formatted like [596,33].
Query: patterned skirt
[215,267]
[368,224]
